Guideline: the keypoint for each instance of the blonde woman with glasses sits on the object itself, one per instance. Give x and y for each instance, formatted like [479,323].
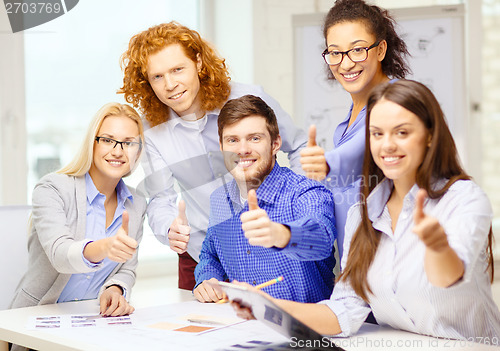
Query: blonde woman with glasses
[86,223]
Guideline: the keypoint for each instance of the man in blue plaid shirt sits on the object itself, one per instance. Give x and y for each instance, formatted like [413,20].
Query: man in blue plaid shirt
[268,221]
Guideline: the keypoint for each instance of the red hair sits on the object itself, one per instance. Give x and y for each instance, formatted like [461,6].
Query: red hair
[214,76]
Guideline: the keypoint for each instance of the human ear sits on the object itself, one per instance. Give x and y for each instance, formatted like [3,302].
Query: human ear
[381,50]
[276,144]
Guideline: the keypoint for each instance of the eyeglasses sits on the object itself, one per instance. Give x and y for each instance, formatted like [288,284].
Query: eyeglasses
[335,57]
[111,143]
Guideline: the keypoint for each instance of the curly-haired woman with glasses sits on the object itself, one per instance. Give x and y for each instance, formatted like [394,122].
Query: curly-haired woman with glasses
[362,51]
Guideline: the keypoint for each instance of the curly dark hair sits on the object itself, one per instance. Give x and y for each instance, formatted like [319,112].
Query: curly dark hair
[214,76]
[380,24]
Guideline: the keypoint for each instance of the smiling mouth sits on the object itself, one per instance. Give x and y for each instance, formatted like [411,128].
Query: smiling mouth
[176,96]
[351,75]
[115,162]
[391,159]
[245,163]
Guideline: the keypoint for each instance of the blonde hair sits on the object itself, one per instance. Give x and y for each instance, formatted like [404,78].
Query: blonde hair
[83,160]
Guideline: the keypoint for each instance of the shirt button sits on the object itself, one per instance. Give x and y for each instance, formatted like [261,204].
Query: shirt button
[328,179]
[254,282]
[294,244]
[248,252]
[88,277]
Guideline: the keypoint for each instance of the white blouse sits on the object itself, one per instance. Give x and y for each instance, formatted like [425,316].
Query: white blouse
[403,297]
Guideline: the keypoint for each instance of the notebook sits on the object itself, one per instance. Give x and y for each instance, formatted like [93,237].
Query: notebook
[272,315]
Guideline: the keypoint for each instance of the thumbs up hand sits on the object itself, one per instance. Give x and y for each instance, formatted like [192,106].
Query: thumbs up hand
[311,141]
[121,247]
[259,229]
[428,228]
[178,234]
[312,158]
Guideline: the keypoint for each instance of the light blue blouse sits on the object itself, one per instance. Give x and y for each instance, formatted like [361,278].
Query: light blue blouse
[346,162]
[86,286]
[346,165]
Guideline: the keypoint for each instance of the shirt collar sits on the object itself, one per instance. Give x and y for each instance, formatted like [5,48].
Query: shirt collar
[377,200]
[92,191]
[266,192]
[175,120]
[122,191]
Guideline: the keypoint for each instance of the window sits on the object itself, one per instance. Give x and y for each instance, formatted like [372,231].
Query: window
[72,69]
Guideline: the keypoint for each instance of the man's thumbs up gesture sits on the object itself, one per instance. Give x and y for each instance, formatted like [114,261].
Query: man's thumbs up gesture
[428,228]
[312,158]
[259,229]
[178,234]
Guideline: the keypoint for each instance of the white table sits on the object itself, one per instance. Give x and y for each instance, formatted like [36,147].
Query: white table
[371,337]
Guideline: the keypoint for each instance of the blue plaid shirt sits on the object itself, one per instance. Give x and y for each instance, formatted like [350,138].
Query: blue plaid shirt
[306,263]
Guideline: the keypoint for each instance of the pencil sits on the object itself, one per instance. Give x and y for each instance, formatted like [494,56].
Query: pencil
[270,282]
[260,286]
[205,321]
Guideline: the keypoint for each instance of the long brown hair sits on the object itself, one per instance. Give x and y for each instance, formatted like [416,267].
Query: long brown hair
[214,76]
[441,161]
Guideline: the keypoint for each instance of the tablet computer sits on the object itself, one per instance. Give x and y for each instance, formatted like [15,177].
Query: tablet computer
[267,312]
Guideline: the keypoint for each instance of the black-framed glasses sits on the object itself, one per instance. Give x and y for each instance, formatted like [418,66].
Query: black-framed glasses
[111,143]
[335,57]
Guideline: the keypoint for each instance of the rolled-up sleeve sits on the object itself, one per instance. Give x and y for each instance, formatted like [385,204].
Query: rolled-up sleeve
[467,224]
[313,233]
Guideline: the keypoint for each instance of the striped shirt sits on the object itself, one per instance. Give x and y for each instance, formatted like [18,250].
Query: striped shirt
[403,297]
[306,263]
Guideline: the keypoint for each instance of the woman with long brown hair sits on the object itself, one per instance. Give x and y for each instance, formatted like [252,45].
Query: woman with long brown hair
[419,241]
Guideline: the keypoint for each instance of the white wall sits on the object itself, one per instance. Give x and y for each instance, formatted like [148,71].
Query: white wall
[12,116]
[234,37]
[490,107]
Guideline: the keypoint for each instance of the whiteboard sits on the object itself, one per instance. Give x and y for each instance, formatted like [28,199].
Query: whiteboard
[435,38]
